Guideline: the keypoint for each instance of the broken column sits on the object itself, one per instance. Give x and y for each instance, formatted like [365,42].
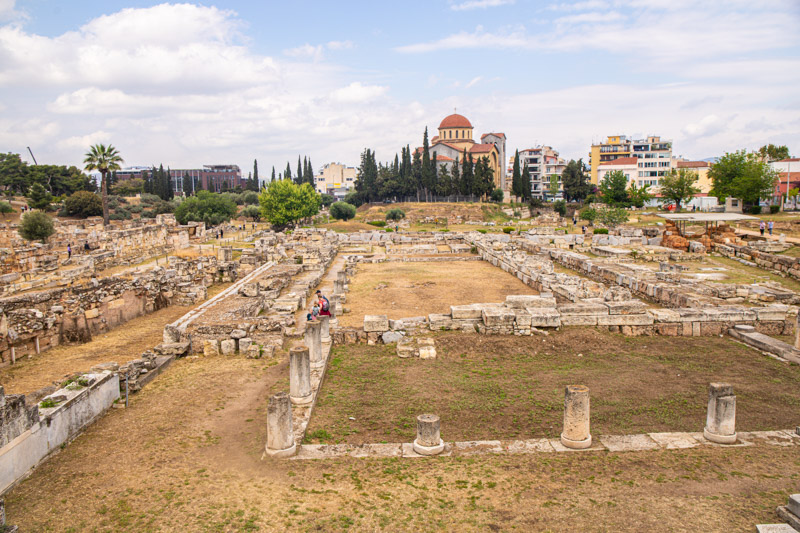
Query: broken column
[334,301]
[721,417]
[576,418]
[325,328]
[299,376]
[428,441]
[338,287]
[313,339]
[797,332]
[280,437]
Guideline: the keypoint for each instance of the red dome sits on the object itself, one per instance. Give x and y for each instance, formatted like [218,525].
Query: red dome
[455,121]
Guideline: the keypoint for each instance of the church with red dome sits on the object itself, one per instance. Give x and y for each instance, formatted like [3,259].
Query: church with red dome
[456,135]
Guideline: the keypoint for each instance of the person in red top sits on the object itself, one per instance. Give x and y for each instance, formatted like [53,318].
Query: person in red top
[324,305]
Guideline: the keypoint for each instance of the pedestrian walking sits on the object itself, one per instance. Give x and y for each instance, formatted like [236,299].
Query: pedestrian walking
[761,227]
[69,252]
[770,225]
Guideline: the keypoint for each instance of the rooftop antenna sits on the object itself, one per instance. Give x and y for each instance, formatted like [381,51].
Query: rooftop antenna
[34,159]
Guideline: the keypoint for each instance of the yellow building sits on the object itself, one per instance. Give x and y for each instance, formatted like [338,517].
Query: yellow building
[702,168]
[616,146]
[333,177]
[455,136]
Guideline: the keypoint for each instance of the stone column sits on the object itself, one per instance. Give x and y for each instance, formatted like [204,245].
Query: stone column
[721,417]
[280,437]
[338,287]
[797,332]
[299,376]
[335,306]
[428,441]
[576,418]
[325,329]
[313,339]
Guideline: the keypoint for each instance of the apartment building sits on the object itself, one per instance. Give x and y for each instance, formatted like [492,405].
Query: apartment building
[211,177]
[335,179]
[654,157]
[543,162]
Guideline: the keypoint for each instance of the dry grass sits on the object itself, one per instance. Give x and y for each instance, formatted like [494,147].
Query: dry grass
[121,344]
[416,289]
[491,387]
[186,457]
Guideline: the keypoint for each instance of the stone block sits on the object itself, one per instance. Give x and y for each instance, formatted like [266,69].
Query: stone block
[522,318]
[465,311]
[524,301]
[376,323]
[578,320]
[177,349]
[92,313]
[407,348]
[390,337]
[794,504]
[244,344]
[238,334]
[643,319]
[543,317]
[628,307]
[583,308]
[253,351]
[664,315]
[497,317]
[211,347]
[440,322]
[227,347]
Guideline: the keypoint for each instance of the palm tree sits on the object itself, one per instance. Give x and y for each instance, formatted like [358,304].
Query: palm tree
[105,159]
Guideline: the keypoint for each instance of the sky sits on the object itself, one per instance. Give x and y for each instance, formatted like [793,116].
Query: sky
[188,84]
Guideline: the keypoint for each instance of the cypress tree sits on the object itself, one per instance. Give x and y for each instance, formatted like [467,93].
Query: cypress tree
[188,184]
[426,177]
[300,175]
[516,184]
[310,173]
[273,173]
[526,182]
[287,174]
[254,185]
[455,172]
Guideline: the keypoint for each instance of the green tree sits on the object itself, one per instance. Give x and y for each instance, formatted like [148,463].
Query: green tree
[326,199]
[287,174]
[742,175]
[574,181]
[497,195]
[105,159]
[770,152]
[284,203]
[342,211]
[553,185]
[395,214]
[39,198]
[516,181]
[638,196]
[525,181]
[208,207]
[614,188]
[300,176]
[252,212]
[188,184]
[36,226]
[678,186]
[13,173]
[5,208]
[254,184]
[273,174]
[83,204]
[612,216]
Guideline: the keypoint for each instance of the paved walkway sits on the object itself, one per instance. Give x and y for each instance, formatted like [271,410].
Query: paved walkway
[775,237]
[611,443]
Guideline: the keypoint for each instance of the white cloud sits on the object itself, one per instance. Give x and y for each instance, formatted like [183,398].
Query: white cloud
[306,51]
[474,81]
[707,126]
[340,45]
[479,4]
[476,39]
[356,92]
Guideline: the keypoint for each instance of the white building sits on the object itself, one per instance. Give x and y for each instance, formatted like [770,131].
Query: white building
[543,162]
[335,177]
[655,160]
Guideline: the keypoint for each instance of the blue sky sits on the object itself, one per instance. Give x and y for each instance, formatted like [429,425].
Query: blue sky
[198,83]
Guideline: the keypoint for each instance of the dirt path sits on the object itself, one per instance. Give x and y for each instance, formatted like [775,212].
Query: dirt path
[120,345]
[186,457]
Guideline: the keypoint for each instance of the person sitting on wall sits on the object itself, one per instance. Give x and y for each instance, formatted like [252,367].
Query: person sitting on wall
[314,313]
[324,305]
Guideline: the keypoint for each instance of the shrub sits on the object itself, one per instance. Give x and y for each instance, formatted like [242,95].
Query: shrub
[342,211]
[36,226]
[395,214]
[588,213]
[162,206]
[612,216]
[388,230]
[507,230]
[497,195]
[5,208]
[755,209]
[251,211]
[482,231]
[136,209]
[83,204]
[148,214]
[120,214]
[774,209]
[560,207]
[213,209]
[536,202]
[601,231]
[377,223]
[327,199]
[149,199]
[353,198]
[247,198]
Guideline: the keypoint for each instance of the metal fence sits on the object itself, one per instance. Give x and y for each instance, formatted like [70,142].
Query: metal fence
[440,199]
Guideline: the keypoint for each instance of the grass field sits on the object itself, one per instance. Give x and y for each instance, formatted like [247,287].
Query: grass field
[498,387]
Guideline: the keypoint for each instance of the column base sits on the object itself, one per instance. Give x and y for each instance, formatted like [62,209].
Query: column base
[719,439]
[288,452]
[302,400]
[576,444]
[326,340]
[429,450]
[320,364]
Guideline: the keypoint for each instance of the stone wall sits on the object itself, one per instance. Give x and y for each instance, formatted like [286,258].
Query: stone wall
[33,322]
[781,264]
[15,416]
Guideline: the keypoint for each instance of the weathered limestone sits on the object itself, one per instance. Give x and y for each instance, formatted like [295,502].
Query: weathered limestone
[244,344]
[300,376]
[313,340]
[210,347]
[428,441]
[721,417]
[227,347]
[280,438]
[426,348]
[797,332]
[376,323]
[576,418]
[325,329]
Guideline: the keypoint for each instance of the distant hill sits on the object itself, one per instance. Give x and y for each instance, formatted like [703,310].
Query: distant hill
[710,159]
